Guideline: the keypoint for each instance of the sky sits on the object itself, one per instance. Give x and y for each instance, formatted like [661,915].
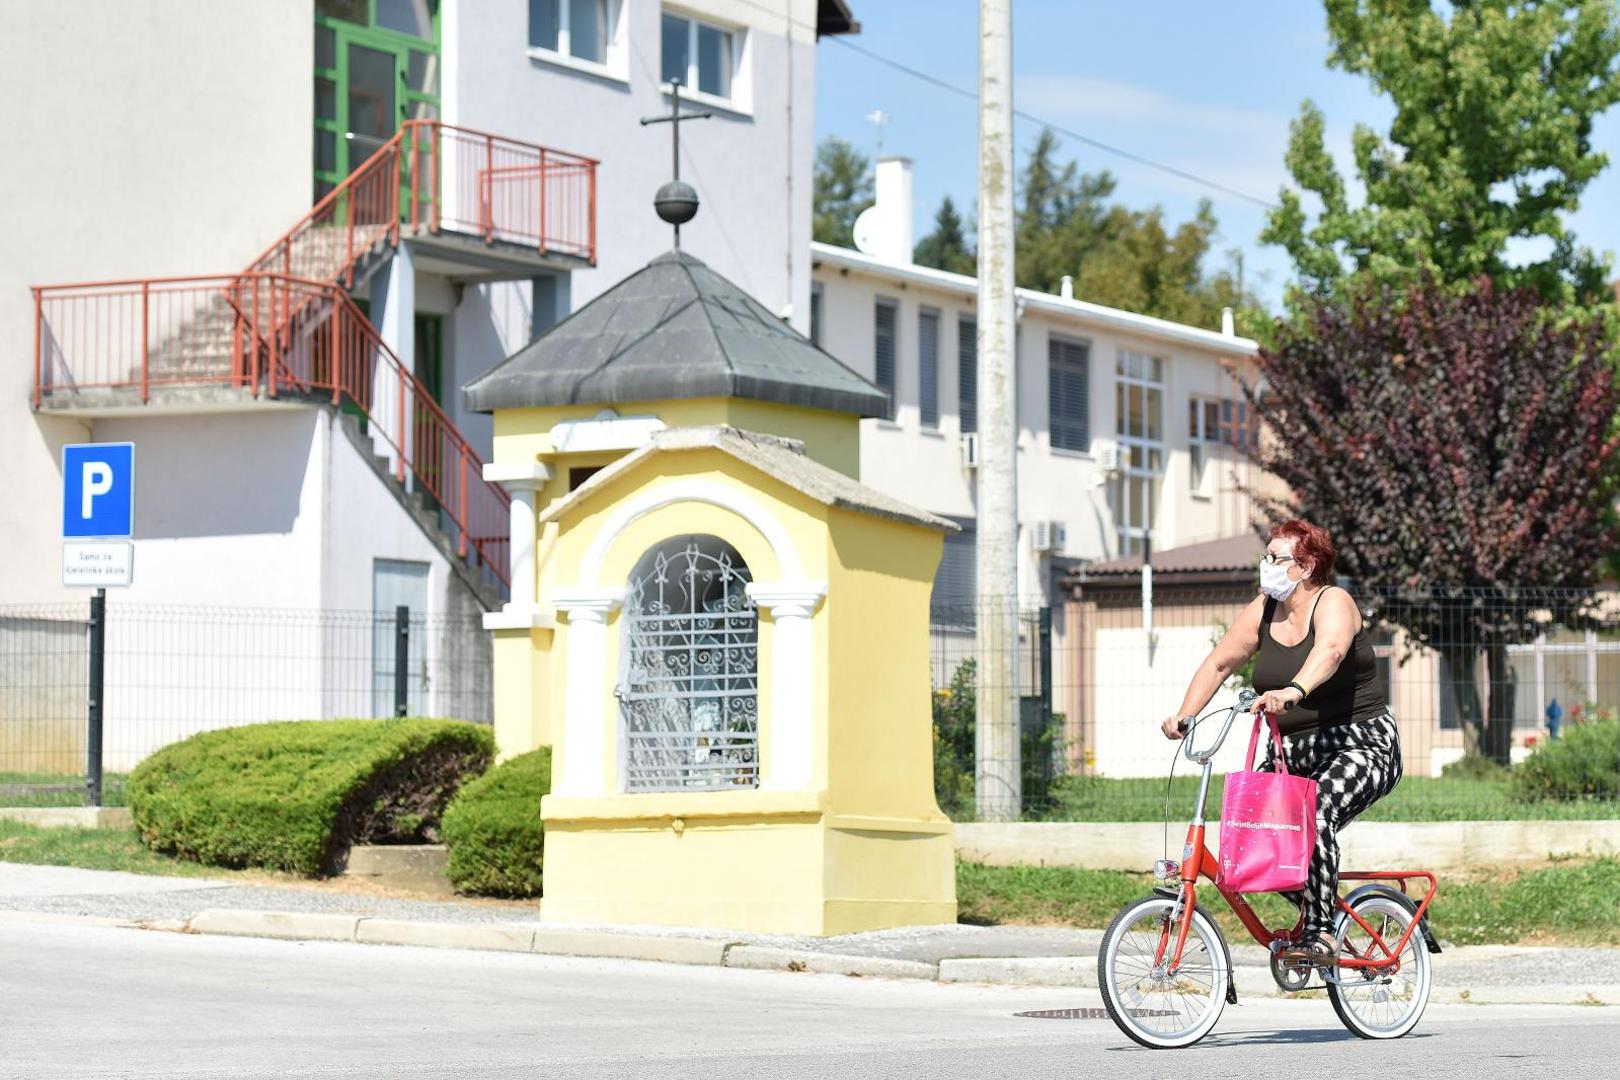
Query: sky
[1207,88]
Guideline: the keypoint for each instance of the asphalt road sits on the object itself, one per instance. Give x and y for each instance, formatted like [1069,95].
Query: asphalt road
[82,1001]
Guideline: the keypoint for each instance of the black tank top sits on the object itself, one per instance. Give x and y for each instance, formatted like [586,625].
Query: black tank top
[1353,692]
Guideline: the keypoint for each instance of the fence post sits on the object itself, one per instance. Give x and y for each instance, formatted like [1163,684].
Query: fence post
[402,651]
[98,655]
[1046,665]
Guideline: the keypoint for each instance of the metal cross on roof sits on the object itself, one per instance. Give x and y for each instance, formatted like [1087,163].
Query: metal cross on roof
[676,203]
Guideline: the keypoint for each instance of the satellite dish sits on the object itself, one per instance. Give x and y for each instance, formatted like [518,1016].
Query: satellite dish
[867,230]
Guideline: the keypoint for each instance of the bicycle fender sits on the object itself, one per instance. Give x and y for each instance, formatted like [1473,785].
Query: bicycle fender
[1374,889]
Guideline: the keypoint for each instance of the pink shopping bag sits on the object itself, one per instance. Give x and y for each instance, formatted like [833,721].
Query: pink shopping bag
[1268,824]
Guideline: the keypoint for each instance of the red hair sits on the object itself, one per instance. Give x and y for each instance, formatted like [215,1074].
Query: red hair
[1311,542]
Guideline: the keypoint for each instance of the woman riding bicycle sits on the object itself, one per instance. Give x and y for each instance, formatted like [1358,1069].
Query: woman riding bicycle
[1316,662]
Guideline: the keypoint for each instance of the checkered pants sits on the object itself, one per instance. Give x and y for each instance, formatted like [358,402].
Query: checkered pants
[1354,765]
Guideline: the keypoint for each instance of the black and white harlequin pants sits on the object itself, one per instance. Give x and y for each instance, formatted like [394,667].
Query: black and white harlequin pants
[1354,765]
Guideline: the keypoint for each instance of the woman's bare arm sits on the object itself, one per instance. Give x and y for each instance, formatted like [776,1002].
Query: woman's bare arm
[1237,645]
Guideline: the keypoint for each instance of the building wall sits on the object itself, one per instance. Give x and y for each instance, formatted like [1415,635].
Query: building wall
[925,466]
[155,139]
[750,163]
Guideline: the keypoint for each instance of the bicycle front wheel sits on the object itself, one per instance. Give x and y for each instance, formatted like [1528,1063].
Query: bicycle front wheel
[1381,1003]
[1156,1005]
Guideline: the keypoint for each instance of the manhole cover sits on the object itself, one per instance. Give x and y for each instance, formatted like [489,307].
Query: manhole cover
[1090,1013]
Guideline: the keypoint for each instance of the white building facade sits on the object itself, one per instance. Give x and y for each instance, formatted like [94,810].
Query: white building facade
[1128,425]
[291,377]
[152,152]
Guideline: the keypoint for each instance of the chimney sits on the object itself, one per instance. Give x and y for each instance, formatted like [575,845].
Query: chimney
[1066,289]
[1228,325]
[892,242]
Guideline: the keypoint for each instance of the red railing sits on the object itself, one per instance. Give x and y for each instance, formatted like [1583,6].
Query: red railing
[455,180]
[285,325]
[279,336]
[500,189]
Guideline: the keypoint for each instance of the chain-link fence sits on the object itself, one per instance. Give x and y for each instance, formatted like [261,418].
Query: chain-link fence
[1507,700]
[169,672]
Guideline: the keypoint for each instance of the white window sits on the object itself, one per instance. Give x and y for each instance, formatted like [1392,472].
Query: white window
[698,55]
[1203,435]
[1139,425]
[581,29]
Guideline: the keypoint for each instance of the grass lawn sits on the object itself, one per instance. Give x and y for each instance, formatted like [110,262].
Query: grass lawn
[1566,903]
[1573,903]
[1415,798]
[14,789]
[97,849]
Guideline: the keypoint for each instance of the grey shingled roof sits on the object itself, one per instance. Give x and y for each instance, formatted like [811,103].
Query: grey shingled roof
[673,329]
[1241,552]
[783,459]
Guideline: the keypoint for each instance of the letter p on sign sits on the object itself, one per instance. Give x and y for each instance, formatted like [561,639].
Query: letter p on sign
[98,490]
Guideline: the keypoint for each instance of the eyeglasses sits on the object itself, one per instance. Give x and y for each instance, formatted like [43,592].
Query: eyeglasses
[1275,560]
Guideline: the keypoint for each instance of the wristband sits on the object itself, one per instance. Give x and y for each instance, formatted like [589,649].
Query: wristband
[1303,693]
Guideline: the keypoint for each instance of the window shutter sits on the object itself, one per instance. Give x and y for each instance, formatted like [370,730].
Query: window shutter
[967,373]
[928,367]
[1069,389]
[883,352]
[956,581]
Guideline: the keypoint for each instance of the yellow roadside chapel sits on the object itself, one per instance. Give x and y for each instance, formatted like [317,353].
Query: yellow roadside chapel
[722,634]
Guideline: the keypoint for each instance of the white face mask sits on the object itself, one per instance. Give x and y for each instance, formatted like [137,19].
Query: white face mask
[1275,582]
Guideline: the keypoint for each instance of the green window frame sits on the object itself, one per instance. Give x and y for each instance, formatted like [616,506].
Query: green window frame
[340,24]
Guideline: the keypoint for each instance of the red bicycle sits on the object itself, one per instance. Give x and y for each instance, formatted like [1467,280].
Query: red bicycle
[1165,971]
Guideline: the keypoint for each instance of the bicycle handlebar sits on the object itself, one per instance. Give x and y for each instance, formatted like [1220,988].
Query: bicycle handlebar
[1246,699]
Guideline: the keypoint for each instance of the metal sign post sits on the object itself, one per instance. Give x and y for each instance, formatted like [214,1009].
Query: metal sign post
[98,519]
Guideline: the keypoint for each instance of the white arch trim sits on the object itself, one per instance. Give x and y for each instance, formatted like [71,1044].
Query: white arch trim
[704,491]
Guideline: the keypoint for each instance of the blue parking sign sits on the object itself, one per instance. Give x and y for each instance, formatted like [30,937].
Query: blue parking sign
[98,489]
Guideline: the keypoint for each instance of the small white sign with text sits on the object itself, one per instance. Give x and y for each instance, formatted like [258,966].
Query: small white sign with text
[98,564]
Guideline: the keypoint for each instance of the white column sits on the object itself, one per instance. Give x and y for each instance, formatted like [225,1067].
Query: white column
[584,726]
[396,325]
[522,480]
[792,605]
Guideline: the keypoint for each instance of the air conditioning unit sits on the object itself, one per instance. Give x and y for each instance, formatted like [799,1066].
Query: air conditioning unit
[1108,457]
[1050,536]
[970,450]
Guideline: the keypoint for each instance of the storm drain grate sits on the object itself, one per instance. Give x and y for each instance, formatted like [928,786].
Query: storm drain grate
[1090,1013]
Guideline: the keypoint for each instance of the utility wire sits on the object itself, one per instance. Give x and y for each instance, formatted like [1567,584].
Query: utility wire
[962,91]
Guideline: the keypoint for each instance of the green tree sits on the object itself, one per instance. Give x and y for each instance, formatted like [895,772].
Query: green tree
[1491,143]
[1118,256]
[841,190]
[1460,447]
[946,248]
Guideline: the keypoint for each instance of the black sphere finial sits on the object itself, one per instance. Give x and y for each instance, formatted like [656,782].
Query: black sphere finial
[676,202]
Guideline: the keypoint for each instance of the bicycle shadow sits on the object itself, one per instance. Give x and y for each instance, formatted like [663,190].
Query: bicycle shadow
[1291,1038]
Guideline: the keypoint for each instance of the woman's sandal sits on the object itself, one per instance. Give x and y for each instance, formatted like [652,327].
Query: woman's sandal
[1322,951]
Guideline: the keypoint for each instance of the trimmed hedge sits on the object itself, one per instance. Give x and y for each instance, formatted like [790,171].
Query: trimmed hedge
[1584,762]
[297,795]
[493,829]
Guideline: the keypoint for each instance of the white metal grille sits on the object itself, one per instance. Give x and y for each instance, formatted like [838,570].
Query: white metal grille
[688,695]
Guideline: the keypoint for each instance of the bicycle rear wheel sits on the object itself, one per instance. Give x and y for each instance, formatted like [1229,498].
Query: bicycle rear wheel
[1387,1003]
[1152,1004]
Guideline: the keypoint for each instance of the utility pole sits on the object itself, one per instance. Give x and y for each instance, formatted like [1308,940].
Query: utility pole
[996,744]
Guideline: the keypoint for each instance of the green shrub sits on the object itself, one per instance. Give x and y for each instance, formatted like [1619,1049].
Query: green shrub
[296,795]
[955,710]
[1474,767]
[1583,763]
[493,829]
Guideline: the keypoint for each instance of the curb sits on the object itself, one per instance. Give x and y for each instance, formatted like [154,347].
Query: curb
[1054,971]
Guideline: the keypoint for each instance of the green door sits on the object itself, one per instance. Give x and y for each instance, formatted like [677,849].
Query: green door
[376,65]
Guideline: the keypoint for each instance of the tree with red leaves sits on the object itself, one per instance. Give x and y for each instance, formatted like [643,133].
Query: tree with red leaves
[1461,447]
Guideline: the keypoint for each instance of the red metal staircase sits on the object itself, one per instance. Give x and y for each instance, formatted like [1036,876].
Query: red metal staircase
[286,327]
